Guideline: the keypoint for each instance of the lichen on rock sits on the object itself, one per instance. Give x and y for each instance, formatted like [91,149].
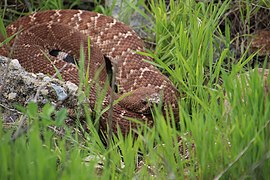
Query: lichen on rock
[20,87]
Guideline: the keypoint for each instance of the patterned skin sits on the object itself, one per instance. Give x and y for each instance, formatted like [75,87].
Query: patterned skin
[67,31]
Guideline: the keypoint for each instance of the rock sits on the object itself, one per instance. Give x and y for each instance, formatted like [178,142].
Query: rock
[12,96]
[71,86]
[61,94]
[124,12]
[20,87]
[14,65]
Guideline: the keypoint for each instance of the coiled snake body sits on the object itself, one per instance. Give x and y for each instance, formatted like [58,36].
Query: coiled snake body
[67,30]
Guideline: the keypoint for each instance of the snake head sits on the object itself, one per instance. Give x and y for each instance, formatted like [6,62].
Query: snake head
[141,100]
[148,101]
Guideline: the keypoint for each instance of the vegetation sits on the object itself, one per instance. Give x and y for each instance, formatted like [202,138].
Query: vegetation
[224,117]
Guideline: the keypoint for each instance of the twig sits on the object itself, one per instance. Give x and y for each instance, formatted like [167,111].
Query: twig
[110,115]
[28,4]
[10,109]
[112,91]
[19,130]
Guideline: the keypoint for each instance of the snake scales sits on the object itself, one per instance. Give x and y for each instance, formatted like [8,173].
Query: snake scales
[66,31]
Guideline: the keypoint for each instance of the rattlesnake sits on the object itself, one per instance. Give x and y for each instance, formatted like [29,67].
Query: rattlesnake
[66,31]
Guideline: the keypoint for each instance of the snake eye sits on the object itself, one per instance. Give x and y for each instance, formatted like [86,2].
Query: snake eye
[144,102]
[63,56]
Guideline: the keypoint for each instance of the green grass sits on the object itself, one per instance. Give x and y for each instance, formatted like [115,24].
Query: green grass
[229,144]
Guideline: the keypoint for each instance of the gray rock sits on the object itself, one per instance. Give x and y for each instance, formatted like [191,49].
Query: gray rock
[20,87]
